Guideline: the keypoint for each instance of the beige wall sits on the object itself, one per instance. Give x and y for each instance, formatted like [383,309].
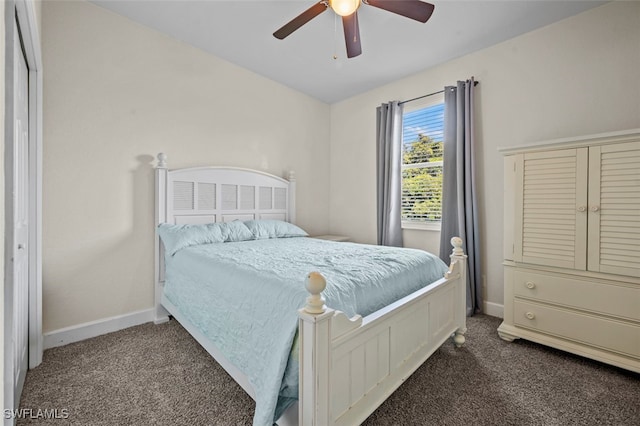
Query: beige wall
[117,93]
[575,77]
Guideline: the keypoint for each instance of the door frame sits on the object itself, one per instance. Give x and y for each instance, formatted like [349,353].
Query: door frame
[23,11]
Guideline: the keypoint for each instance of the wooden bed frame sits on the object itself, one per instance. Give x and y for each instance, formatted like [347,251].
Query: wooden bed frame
[348,366]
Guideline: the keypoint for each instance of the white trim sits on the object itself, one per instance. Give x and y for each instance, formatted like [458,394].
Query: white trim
[494,309]
[79,332]
[422,226]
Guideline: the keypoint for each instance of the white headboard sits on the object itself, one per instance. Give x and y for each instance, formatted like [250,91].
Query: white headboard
[221,194]
[217,194]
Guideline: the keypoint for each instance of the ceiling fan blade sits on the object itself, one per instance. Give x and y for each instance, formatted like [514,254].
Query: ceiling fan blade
[301,19]
[351,28]
[414,9]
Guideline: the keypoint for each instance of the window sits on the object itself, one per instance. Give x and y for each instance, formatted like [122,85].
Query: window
[422,151]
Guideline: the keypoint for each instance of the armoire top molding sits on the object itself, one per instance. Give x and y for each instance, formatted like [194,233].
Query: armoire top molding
[576,141]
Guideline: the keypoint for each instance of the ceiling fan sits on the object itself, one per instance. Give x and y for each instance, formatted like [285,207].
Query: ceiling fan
[348,9]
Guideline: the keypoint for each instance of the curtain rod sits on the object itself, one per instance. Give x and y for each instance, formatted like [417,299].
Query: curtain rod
[475,83]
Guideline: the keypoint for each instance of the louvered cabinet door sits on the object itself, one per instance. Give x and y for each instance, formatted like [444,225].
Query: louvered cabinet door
[552,226]
[614,209]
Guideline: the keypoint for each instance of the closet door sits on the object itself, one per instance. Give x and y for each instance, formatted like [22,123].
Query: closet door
[553,224]
[21,227]
[614,209]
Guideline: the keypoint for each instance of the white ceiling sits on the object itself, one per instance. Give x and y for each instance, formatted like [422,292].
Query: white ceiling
[393,47]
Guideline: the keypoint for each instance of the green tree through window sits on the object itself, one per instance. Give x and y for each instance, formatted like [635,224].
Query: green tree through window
[422,152]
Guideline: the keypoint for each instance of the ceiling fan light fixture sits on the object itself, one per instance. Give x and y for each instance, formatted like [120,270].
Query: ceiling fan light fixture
[344,7]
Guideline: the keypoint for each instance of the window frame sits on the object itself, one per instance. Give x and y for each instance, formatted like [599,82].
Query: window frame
[416,105]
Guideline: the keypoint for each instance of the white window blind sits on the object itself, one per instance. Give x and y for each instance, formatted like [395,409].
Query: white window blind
[422,153]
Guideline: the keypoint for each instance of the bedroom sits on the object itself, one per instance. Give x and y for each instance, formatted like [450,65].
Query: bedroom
[112,101]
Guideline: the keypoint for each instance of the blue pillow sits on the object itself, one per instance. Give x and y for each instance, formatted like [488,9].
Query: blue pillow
[237,231]
[177,237]
[263,229]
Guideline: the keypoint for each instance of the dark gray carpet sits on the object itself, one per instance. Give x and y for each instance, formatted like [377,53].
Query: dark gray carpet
[158,375]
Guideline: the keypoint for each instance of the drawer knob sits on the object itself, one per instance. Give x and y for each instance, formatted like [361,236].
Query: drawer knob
[582,208]
[530,284]
[530,315]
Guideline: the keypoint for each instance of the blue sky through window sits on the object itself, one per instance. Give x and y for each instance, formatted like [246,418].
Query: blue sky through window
[427,121]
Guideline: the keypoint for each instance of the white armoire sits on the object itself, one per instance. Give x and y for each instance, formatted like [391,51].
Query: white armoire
[572,246]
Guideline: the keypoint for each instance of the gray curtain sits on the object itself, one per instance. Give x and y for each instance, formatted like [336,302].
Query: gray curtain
[459,206]
[389,173]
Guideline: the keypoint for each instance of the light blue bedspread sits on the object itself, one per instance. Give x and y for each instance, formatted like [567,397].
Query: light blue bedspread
[244,296]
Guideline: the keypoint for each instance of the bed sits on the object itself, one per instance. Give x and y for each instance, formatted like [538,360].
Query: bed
[340,365]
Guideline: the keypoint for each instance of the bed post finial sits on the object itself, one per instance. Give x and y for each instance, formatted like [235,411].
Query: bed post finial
[456,242]
[458,258]
[315,285]
[292,176]
[162,161]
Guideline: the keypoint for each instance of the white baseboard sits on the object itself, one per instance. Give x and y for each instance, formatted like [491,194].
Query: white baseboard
[494,309]
[79,332]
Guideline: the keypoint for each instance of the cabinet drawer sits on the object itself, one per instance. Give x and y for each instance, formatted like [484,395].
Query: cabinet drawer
[608,299]
[600,332]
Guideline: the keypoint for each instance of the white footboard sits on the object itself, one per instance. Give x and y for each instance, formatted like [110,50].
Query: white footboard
[348,367]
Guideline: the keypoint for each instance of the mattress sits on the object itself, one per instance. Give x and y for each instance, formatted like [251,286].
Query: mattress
[244,297]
